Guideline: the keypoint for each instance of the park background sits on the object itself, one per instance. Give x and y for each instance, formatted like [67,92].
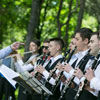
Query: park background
[26,20]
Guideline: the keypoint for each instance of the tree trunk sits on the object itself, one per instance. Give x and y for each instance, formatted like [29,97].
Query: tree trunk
[80,15]
[67,23]
[58,18]
[40,29]
[98,27]
[1,34]
[34,23]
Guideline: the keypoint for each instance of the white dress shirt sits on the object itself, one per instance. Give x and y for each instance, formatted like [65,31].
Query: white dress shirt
[21,67]
[53,59]
[72,60]
[80,55]
[95,82]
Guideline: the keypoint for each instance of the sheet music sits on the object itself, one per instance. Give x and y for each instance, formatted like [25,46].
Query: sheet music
[31,83]
[9,74]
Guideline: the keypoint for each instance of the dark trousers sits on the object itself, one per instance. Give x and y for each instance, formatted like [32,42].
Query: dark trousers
[86,95]
[70,94]
[24,95]
[6,89]
[98,98]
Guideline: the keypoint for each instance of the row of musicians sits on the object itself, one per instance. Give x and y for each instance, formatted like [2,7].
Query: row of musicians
[84,39]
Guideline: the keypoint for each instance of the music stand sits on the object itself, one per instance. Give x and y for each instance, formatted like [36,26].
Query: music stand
[31,84]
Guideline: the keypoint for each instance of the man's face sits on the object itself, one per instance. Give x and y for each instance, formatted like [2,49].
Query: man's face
[45,47]
[72,44]
[79,42]
[53,48]
[33,47]
[94,45]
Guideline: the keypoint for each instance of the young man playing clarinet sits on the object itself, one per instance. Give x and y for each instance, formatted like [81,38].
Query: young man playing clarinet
[55,48]
[82,37]
[88,92]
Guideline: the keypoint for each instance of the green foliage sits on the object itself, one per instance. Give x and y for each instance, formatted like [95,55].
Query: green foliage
[15,16]
[90,22]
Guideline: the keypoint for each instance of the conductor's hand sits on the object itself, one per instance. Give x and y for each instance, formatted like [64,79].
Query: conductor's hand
[15,45]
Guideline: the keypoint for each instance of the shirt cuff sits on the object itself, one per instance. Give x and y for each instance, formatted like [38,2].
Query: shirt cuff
[52,81]
[20,62]
[76,80]
[67,75]
[28,67]
[71,72]
[46,74]
[93,82]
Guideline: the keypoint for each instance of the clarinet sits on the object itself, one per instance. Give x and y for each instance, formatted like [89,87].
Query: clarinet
[57,80]
[63,59]
[51,75]
[84,80]
[42,61]
[72,78]
[59,77]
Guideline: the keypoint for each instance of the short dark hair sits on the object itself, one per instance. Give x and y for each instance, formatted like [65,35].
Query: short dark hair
[46,41]
[59,41]
[37,42]
[72,36]
[85,33]
[96,33]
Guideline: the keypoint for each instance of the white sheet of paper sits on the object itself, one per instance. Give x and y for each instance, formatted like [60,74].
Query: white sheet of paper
[9,74]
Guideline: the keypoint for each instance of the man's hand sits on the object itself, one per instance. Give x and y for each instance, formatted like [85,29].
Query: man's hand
[59,66]
[17,57]
[40,69]
[15,45]
[78,73]
[67,68]
[89,74]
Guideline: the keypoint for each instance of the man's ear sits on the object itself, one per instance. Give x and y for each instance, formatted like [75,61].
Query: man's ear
[58,47]
[86,41]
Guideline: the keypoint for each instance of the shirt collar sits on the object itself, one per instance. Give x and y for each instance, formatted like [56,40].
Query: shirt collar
[56,58]
[83,53]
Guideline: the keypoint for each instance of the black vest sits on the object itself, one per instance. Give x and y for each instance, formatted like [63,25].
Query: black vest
[48,67]
[83,63]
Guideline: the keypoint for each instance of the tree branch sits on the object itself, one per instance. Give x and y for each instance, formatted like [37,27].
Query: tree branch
[58,18]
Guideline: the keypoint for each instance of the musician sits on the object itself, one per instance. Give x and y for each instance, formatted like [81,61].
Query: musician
[82,37]
[45,52]
[30,63]
[45,46]
[91,91]
[6,51]
[28,66]
[72,46]
[35,96]
[55,48]
[94,81]
[72,43]
[73,58]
